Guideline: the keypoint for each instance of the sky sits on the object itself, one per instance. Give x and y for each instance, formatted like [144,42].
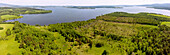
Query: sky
[82,2]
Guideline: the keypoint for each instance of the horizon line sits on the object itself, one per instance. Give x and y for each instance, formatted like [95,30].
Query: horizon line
[75,5]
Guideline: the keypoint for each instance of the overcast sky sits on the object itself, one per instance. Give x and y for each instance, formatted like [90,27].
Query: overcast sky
[82,2]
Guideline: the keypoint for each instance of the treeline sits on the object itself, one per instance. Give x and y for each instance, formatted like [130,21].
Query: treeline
[91,7]
[68,30]
[18,11]
[140,18]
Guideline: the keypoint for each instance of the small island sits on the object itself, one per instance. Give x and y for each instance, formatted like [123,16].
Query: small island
[91,7]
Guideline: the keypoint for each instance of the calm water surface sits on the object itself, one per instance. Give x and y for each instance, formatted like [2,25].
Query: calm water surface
[62,15]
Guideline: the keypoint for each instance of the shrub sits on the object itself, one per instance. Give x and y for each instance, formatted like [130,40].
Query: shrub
[99,44]
[105,52]
[1,28]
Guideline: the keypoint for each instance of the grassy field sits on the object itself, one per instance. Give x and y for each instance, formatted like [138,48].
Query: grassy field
[9,17]
[160,15]
[166,23]
[9,46]
[37,12]
[5,27]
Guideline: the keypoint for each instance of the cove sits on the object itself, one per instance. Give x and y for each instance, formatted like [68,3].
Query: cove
[63,15]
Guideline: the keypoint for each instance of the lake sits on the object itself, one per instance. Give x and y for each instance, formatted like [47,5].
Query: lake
[62,14]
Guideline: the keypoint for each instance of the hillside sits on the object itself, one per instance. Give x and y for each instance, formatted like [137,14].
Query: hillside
[7,5]
[116,33]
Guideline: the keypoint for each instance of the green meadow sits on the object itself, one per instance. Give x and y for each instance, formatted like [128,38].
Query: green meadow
[8,43]
[9,46]
[9,17]
[160,15]
[166,23]
[5,27]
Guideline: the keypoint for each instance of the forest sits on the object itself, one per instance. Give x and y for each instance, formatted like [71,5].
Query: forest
[117,33]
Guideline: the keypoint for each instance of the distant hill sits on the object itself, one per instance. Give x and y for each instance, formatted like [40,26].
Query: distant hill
[158,6]
[6,5]
[10,5]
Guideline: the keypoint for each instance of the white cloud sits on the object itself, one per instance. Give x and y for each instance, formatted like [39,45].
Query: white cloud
[83,2]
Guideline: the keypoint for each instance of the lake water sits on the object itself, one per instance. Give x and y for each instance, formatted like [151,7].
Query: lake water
[62,15]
